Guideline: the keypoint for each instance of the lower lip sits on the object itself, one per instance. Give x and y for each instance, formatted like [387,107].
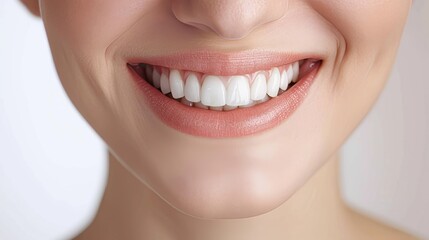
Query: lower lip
[222,124]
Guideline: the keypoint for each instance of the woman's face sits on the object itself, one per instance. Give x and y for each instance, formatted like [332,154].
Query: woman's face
[224,164]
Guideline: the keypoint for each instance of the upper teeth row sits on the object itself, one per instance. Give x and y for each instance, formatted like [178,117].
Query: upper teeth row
[218,91]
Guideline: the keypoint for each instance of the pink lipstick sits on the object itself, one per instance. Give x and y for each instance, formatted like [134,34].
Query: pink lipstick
[220,95]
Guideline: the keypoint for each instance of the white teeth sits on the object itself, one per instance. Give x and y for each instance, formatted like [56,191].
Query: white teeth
[156,78]
[273,83]
[176,84]
[290,73]
[284,81]
[213,92]
[209,91]
[229,108]
[250,104]
[295,68]
[259,87]
[192,88]
[266,98]
[238,91]
[165,86]
[216,108]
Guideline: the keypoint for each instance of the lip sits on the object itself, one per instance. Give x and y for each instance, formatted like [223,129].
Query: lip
[223,64]
[223,124]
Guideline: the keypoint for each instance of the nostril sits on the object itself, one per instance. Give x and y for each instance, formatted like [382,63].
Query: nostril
[228,19]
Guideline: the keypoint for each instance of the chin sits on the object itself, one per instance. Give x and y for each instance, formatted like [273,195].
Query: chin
[226,195]
[246,178]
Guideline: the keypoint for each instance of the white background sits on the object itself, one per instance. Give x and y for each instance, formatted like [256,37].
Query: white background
[386,161]
[53,167]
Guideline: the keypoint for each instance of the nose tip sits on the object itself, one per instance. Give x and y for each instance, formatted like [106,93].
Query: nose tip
[229,19]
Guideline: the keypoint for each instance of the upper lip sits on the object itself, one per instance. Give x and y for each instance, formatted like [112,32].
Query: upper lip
[223,63]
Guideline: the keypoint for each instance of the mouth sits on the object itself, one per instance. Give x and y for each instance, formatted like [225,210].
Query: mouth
[224,95]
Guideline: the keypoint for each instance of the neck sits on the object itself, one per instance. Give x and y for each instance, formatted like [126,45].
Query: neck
[130,210]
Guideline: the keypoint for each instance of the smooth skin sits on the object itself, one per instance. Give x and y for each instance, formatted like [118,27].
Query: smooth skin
[279,184]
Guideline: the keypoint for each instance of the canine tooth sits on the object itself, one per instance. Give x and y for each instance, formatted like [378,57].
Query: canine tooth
[156,77]
[176,84]
[284,81]
[192,88]
[289,73]
[295,67]
[259,87]
[238,91]
[165,85]
[213,92]
[273,84]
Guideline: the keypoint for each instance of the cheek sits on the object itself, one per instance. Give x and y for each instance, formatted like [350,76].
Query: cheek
[81,34]
[92,25]
[371,31]
[365,20]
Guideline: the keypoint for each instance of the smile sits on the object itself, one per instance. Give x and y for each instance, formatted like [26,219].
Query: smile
[212,97]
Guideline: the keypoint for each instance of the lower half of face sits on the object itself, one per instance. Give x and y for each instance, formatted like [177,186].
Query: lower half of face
[222,110]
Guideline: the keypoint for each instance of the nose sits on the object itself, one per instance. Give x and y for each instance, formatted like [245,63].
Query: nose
[230,19]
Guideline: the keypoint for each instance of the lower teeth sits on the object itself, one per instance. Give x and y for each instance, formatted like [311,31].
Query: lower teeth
[184,101]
